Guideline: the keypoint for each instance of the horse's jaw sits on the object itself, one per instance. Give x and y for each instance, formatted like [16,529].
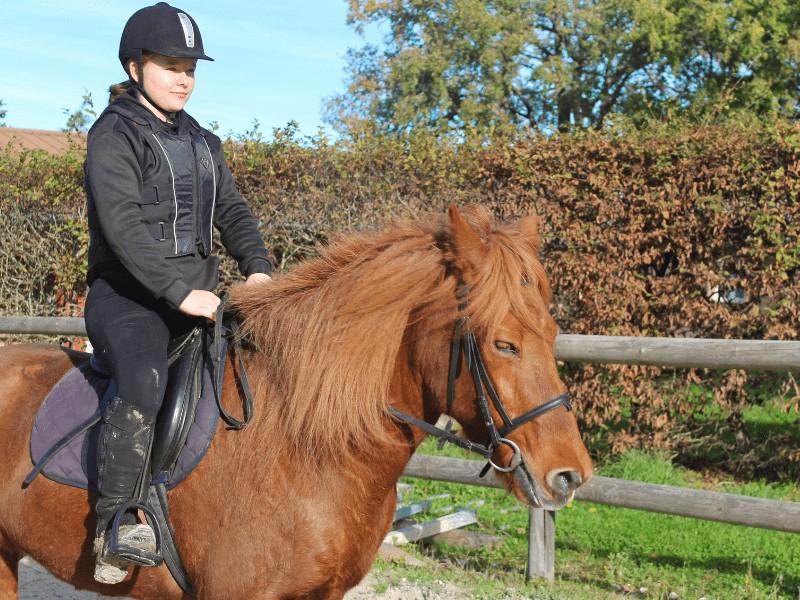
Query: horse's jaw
[533,492]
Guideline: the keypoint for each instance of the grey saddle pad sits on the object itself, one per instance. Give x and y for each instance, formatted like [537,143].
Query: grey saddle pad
[76,396]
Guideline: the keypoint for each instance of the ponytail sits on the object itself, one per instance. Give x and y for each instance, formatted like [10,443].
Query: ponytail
[116,90]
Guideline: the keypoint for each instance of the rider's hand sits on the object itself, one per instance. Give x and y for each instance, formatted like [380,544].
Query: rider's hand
[258,278]
[200,303]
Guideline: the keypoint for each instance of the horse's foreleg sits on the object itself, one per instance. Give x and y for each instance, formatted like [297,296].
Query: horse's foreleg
[9,572]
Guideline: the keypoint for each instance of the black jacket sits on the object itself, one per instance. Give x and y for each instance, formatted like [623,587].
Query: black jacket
[131,183]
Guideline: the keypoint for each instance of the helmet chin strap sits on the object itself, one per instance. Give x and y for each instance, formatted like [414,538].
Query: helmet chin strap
[169,116]
[139,87]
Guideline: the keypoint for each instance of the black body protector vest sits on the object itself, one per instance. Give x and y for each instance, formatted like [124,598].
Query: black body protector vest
[182,195]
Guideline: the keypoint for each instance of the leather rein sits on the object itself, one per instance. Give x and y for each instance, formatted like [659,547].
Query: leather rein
[464,336]
[230,324]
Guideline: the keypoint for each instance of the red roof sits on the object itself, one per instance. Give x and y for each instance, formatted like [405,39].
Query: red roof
[37,139]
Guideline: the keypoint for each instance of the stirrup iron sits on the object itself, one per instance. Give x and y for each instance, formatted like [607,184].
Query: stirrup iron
[127,552]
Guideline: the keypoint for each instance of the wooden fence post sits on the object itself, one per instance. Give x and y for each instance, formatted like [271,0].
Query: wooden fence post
[541,544]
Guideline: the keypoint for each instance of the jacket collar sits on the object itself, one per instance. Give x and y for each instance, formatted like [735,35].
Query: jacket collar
[129,107]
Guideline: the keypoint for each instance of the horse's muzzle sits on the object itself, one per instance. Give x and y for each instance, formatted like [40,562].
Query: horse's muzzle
[563,483]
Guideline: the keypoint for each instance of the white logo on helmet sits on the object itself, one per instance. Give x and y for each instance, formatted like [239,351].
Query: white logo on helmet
[188,30]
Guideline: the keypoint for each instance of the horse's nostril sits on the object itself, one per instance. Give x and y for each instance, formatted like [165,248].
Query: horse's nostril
[564,482]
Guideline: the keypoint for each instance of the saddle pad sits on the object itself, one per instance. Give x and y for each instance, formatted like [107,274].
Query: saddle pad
[77,396]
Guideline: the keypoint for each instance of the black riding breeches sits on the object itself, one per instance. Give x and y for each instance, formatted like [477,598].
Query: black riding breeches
[130,331]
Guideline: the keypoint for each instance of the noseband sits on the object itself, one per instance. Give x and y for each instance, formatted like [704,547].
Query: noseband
[463,335]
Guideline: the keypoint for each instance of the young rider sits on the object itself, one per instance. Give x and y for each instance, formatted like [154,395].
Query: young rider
[157,184]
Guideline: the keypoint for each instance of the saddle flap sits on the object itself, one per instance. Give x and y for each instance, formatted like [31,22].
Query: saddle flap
[180,402]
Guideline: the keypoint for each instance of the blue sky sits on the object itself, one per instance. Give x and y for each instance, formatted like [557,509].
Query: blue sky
[274,61]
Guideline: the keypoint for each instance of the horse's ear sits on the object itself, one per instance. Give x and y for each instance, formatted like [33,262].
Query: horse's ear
[529,227]
[467,244]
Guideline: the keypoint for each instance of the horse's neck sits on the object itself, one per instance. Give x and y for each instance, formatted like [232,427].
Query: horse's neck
[411,392]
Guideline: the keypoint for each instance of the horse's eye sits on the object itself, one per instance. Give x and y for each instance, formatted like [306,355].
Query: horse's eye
[505,347]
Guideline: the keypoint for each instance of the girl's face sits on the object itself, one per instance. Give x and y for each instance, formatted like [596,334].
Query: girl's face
[168,81]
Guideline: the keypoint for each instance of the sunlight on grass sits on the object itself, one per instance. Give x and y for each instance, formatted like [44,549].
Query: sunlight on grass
[609,552]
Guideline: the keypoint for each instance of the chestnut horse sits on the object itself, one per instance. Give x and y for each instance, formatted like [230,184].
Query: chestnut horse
[296,505]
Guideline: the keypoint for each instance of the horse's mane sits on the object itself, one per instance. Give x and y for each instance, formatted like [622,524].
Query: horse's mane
[324,337]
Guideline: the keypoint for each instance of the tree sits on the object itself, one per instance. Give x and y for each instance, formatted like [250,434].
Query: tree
[742,52]
[2,113]
[559,63]
[81,119]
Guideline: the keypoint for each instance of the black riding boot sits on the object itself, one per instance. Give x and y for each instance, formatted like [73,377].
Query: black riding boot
[126,436]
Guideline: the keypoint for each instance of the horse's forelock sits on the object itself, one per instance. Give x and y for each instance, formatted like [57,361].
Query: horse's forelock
[511,278]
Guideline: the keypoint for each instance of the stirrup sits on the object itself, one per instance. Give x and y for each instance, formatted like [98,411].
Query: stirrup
[127,552]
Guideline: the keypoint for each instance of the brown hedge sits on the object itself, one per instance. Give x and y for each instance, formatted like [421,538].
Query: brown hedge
[666,230]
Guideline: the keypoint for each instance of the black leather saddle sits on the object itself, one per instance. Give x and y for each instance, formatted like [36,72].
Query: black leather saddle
[185,358]
[180,400]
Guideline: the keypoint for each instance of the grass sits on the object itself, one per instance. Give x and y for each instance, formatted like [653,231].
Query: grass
[604,545]
[608,552]
[758,440]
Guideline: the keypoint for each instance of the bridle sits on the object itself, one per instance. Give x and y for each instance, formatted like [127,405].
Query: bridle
[463,335]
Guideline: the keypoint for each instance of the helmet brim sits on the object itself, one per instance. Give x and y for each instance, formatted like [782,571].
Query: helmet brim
[179,53]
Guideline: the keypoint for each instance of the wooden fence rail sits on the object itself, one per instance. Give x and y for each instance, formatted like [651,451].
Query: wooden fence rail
[668,352]
[751,355]
[666,499]
[778,515]
[43,325]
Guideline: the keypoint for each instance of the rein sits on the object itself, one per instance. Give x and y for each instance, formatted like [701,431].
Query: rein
[232,324]
[464,336]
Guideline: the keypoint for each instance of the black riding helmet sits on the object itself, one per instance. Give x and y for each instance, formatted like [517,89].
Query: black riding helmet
[160,29]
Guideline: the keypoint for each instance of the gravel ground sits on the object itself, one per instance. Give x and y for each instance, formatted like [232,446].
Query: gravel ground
[37,584]
[407,590]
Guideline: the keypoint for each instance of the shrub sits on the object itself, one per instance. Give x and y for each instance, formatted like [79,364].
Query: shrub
[664,230]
